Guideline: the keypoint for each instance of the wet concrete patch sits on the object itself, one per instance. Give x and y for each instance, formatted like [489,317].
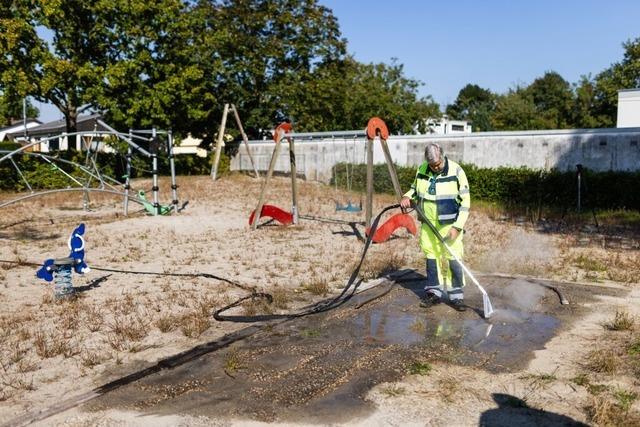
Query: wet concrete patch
[320,367]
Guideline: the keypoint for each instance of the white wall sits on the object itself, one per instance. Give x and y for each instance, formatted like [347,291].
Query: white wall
[596,149]
[628,108]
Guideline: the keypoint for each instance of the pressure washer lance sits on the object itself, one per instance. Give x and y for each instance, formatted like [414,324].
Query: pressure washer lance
[487,309]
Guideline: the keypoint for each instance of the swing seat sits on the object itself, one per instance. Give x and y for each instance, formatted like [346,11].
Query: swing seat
[148,206]
[385,231]
[274,212]
[349,207]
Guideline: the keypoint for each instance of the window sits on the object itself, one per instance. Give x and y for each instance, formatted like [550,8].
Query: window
[634,143]
[457,128]
[603,142]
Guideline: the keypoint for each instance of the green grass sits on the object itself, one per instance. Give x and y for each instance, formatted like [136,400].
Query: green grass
[634,349]
[589,264]
[310,333]
[541,378]
[420,368]
[581,379]
[625,398]
[596,389]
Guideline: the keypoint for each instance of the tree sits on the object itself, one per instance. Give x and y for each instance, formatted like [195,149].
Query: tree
[552,97]
[383,90]
[18,40]
[620,75]
[101,55]
[515,110]
[583,108]
[11,111]
[159,72]
[274,54]
[475,104]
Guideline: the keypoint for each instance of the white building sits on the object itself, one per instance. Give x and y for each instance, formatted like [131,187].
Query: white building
[628,108]
[190,145]
[444,126]
[18,128]
[57,128]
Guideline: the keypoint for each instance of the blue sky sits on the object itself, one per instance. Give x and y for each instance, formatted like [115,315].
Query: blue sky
[493,43]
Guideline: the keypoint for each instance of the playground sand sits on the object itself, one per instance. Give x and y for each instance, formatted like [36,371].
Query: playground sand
[121,323]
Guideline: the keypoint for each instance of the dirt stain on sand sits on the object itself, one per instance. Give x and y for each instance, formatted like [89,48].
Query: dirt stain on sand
[320,367]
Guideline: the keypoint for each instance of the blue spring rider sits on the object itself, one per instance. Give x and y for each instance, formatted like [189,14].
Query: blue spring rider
[59,270]
[349,207]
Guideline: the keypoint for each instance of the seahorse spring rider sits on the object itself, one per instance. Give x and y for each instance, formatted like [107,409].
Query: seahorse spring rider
[59,270]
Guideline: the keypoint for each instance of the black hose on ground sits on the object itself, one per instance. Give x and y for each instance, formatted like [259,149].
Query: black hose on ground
[349,288]
[346,293]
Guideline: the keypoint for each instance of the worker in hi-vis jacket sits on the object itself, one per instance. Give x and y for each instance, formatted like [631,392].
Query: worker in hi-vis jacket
[442,190]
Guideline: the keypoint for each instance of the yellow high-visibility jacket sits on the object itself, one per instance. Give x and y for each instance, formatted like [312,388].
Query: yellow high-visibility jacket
[445,195]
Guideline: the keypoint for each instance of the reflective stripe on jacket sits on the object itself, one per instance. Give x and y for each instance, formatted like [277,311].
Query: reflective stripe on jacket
[445,195]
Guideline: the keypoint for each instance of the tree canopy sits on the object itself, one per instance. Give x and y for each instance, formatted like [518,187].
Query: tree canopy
[551,102]
[174,63]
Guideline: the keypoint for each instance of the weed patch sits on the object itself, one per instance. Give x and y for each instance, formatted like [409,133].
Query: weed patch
[420,368]
[622,321]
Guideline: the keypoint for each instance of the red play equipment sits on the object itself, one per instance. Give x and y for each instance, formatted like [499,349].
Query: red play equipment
[377,128]
[395,222]
[270,211]
[280,215]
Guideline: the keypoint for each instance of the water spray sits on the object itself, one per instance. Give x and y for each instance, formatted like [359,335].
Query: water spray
[486,302]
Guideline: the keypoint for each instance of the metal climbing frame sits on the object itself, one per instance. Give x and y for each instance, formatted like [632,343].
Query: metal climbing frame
[91,170]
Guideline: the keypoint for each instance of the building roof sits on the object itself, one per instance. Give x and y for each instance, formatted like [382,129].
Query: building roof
[83,124]
[19,125]
[17,128]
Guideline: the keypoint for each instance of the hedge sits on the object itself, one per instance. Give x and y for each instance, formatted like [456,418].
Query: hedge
[517,186]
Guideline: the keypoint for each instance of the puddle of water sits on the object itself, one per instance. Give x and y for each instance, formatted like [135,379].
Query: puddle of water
[508,335]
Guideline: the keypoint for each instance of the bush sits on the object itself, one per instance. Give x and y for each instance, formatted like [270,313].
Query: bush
[42,175]
[516,186]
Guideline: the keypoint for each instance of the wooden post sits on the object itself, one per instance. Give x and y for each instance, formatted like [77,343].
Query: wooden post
[214,168]
[294,181]
[369,208]
[272,165]
[392,169]
[244,139]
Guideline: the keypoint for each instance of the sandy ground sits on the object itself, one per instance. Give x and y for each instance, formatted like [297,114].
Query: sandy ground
[55,350]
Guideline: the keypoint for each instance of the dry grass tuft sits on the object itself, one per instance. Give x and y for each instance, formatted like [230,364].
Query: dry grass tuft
[233,363]
[393,390]
[93,318]
[450,388]
[622,321]
[253,307]
[280,298]
[132,327]
[381,264]
[91,358]
[167,322]
[603,361]
[317,287]
[606,410]
[195,322]
[48,346]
